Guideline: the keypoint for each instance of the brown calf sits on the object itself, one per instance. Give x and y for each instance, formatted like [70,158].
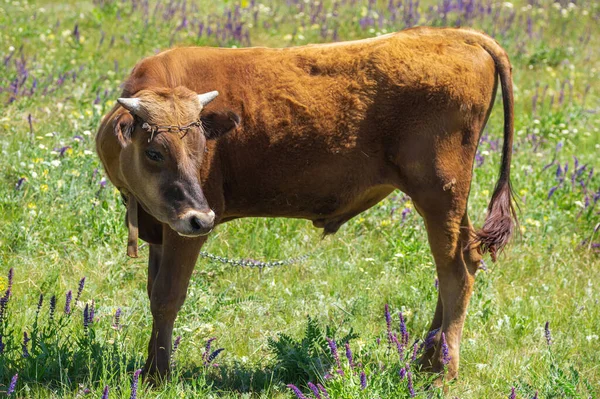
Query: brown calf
[321,132]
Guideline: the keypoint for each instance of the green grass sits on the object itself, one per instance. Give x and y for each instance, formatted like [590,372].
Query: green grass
[62,225]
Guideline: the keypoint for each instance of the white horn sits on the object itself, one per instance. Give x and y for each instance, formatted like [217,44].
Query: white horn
[130,104]
[206,98]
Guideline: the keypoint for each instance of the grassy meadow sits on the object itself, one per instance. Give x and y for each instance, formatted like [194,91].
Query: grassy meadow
[61,67]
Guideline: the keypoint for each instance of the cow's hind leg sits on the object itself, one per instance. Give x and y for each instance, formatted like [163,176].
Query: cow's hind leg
[167,293]
[449,233]
[456,264]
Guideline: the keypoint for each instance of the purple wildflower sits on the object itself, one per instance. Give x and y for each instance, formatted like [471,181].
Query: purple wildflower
[415,351]
[536,395]
[430,340]
[207,349]
[402,373]
[1,345]
[80,289]
[30,120]
[105,392]
[13,385]
[86,316]
[40,302]
[445,351]
[26,340]
[399,346]
[363,380]
[11,273]
[482,266]
[92,312]
[547,333]
[176,344]
[117,319]
[403,330]
[388,322]
[20,183]
[479,159]
[102,182]
[552,191]
[323,391]
[411,388]
[296,391]
[314,390]
[52,306]
[559,171]
[349,355]
[78,138]
[405,212]
[334,353]
[513,394]
[436,284]
[76,33]
[68,302]
[214,355]
[4,302]
[62,150]
[134,384]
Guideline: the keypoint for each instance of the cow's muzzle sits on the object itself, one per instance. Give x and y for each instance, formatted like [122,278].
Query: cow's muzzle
[194,223]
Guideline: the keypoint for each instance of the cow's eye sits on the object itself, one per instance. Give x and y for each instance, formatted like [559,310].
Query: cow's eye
[154,155]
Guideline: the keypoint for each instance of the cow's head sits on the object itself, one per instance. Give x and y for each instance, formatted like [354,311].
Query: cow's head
[163,138]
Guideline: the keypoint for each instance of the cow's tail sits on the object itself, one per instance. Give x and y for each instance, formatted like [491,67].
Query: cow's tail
[501,216]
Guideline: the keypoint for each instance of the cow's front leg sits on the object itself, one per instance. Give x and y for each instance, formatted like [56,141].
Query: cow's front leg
[167,294]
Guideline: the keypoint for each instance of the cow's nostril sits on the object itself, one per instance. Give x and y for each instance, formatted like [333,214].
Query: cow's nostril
[196,224]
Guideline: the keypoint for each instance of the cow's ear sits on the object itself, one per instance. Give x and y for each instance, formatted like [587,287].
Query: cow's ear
[216,124]
[123,125]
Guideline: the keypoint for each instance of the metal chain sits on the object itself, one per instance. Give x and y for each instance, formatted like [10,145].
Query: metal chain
[251,263]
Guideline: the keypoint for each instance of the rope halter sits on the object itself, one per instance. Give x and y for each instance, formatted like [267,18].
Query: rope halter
[152,129]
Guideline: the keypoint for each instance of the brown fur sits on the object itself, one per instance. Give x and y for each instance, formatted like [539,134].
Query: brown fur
[326,132]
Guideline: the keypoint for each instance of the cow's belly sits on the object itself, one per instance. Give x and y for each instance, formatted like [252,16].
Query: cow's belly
[328,212]
[327,191]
